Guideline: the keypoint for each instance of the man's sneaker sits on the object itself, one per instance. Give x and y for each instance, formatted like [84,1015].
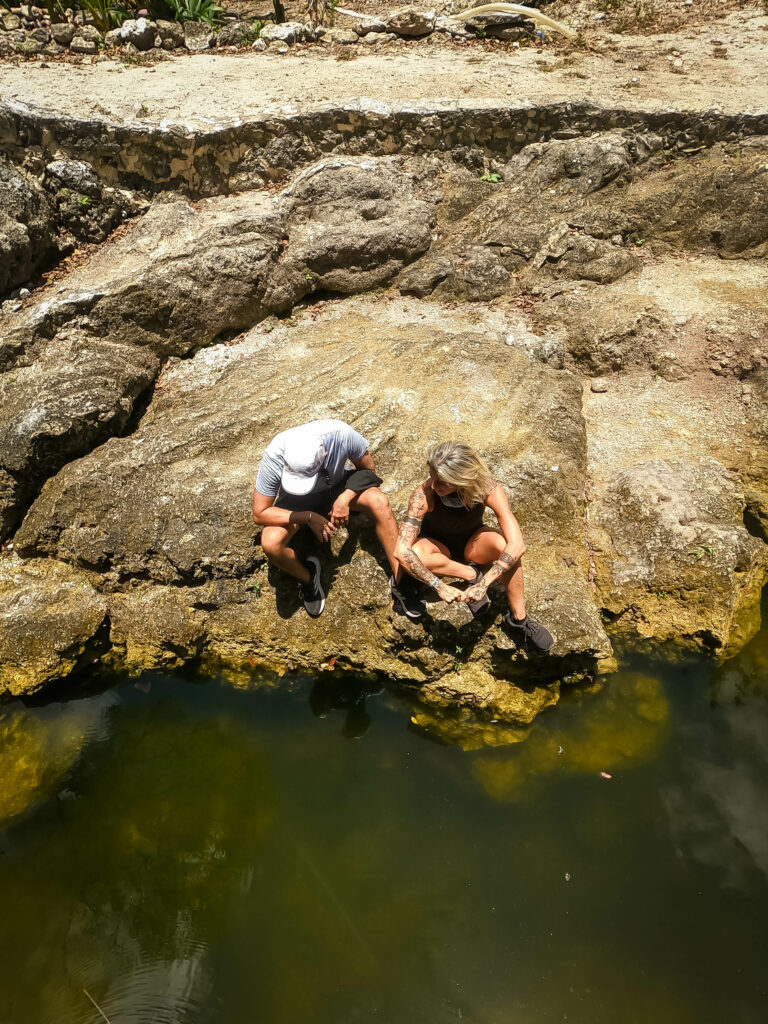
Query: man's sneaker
[528,629]
[406,597]
[312,593]
[477,607]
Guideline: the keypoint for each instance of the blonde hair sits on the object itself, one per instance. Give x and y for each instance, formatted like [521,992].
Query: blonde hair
[459,465]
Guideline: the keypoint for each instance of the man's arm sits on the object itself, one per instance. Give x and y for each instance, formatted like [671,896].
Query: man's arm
[364,462]
[265,514]
[340,510]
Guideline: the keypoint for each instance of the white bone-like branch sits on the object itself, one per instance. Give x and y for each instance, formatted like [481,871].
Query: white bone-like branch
[529,12]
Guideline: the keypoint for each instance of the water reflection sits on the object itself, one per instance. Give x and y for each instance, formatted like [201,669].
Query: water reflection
[202,854]
[717,806]
[624,725]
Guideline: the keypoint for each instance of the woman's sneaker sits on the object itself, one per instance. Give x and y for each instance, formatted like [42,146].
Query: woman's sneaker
[528,629]
[406,597]
[477,607]
[312,593]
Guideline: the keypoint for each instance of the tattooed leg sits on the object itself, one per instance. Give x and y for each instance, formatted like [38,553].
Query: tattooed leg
[436,557]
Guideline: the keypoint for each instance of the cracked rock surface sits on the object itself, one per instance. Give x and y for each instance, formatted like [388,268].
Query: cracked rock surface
[137,394]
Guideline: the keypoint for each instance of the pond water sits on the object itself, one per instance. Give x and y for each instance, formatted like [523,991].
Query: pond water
[183,851]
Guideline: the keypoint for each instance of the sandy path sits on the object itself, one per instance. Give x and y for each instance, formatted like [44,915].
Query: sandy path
[631,71]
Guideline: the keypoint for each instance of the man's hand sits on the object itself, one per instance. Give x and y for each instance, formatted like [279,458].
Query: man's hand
[322,528]
[447,593]
[474,593]
[340,512]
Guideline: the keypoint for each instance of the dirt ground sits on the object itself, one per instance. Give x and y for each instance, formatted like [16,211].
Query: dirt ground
[720,63]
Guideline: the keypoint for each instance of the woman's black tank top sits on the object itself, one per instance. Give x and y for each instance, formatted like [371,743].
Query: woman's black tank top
[446,521]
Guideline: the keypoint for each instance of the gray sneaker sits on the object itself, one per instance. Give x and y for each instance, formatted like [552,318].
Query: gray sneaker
[406,597]
[478,608]
[528,630]
[312,593]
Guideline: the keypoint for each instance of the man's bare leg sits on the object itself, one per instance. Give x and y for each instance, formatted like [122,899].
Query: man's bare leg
[275,542]
[375,502]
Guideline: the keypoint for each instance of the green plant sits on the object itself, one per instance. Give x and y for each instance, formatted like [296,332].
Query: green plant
[457,658]
[250,35]
[106,14]
[490,176]
[85,201]
[255,587]
[700,551]
[196,10]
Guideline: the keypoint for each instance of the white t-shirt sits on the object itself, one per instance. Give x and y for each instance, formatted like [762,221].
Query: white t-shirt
[340,441]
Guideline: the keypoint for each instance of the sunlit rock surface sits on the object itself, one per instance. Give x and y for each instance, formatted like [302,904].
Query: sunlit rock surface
[134,397]
[185,569]
[49,615]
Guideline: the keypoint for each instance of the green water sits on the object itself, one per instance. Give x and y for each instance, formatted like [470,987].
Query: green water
[189,852]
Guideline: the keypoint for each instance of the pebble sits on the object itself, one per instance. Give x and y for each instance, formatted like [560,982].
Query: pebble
[599,385]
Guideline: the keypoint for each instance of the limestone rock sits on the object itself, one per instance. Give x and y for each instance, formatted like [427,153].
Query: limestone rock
[349,226]
[237,33]
[340,35]
[186,476]
[198,36]
[140,32]
[63,33]
[81,45]
[26,227]
[408,21]
[674,559]
[84,207]
[49,614]
[715,201]
[606,337]
[289,32]
[171,34]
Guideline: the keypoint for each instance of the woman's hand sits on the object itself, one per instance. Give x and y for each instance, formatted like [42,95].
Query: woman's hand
[474,593]
[340,512]
[447,593]
[322,528]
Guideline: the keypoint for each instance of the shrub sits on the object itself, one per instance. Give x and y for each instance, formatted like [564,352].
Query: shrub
[196,10]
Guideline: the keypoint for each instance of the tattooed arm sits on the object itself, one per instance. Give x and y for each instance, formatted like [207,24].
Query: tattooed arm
[418,506]
[514,545]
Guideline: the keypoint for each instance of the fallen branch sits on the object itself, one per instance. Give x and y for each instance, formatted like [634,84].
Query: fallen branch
[106,1018]
[529,12]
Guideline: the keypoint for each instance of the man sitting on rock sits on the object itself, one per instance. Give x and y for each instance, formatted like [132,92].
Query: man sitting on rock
[303,480]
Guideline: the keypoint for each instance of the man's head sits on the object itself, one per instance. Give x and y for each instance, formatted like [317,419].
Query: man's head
[303,458]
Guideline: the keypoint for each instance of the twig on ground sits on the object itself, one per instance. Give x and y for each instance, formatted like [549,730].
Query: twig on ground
[106,1018]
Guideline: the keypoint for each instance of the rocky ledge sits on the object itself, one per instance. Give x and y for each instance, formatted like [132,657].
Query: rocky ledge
[567,313]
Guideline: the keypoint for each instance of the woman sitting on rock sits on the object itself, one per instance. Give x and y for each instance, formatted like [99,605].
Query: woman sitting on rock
[443,535]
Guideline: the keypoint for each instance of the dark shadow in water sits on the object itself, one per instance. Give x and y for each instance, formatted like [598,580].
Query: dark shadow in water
[337,693]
